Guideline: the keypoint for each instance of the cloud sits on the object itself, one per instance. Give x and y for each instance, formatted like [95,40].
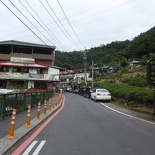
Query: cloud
[92,22]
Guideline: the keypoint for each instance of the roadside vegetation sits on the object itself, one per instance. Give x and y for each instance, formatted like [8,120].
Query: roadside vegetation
[128,86]
[130,89]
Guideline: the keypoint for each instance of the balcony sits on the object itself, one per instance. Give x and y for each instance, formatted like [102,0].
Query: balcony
[28,76]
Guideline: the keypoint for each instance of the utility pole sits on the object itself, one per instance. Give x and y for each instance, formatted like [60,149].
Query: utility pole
[85,65]
[92,74]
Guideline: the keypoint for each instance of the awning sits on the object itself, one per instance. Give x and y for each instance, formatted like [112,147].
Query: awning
[64,73]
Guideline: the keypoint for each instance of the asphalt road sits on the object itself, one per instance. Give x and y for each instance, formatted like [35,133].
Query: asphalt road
[85,127]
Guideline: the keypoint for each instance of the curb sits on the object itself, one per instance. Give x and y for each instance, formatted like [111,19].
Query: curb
[6,143]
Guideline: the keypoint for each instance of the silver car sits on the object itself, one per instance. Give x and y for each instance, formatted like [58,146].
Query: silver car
[101,94]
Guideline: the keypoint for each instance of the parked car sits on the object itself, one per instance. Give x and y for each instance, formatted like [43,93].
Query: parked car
[81,91]
[88,91]
[101,94]
[75,91]
[68,89]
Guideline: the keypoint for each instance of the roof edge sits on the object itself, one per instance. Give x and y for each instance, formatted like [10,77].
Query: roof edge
[15,42]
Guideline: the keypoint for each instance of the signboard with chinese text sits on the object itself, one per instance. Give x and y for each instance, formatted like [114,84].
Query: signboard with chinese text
[23,60]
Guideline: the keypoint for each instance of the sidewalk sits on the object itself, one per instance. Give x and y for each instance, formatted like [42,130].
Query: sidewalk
[20,125]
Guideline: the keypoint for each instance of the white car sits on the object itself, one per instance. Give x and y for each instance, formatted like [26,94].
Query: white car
[69,89]
[101,94]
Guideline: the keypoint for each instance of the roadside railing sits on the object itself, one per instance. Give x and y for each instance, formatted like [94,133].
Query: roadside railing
[56,102]
[20,101]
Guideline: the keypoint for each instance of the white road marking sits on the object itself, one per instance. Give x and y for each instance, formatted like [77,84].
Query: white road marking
[30,148]
[36,152]
[127,114]
[115,110]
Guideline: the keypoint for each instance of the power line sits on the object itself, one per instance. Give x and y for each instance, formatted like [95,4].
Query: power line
[117,6]
[56,16]
[70,23]
[54,37]
[24,23]
[67,35]
[32,16]
[87,16]
[29,21]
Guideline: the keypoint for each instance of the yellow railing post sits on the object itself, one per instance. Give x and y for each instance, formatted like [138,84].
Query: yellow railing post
[49,105]
[28,123]
[12,126]
[38,112]
[53,103]
[45,107]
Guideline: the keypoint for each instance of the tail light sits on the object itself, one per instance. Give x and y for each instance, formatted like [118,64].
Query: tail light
[98,94]
[109,94]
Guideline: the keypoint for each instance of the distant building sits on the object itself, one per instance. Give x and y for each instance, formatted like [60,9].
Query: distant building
[27,65]
[134,63]
[65,77]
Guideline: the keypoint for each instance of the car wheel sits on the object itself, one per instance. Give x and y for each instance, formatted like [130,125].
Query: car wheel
[95,99]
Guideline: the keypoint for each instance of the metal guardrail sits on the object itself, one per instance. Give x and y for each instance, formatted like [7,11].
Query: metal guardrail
[20,101]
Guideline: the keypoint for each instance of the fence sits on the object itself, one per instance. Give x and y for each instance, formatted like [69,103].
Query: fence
[20,101]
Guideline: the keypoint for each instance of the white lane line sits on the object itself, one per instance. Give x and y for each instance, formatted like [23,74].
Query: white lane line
[36,152]
[115,110]
[128,114]
[30,148]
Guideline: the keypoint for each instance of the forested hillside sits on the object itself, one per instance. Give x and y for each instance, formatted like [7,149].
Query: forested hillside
[139,48]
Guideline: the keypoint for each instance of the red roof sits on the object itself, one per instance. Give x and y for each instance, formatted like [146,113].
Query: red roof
[64,73]
[71,72]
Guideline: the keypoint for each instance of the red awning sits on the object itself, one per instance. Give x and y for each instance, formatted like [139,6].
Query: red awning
[71,72]
[64,73]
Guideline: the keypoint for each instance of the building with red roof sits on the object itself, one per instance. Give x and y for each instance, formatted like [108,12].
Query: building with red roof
[27,65]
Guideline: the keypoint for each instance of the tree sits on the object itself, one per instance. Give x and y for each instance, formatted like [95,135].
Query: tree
[124,63]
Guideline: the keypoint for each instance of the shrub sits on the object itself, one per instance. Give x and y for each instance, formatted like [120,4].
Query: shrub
[130,93]
[135,81]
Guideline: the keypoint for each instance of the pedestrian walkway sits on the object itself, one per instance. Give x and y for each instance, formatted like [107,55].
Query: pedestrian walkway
[20,125]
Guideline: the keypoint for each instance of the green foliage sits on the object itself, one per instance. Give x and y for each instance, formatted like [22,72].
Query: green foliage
[152,56]
[139,81]
[109,55]
[144,59]
[69,60]
[125,70]
[124,63]
[141,47]
[116,54]
[130,93]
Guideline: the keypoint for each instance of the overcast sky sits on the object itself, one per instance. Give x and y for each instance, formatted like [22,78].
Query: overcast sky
[75,24]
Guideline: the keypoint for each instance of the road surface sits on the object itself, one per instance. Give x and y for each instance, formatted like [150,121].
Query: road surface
[85,127]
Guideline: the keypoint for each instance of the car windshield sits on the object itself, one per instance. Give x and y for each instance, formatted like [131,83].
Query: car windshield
[102,90]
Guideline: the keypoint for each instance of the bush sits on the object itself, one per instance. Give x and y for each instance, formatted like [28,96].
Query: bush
[130,93]
[139,81]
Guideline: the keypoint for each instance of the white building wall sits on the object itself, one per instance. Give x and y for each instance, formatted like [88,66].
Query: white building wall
[54,73]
